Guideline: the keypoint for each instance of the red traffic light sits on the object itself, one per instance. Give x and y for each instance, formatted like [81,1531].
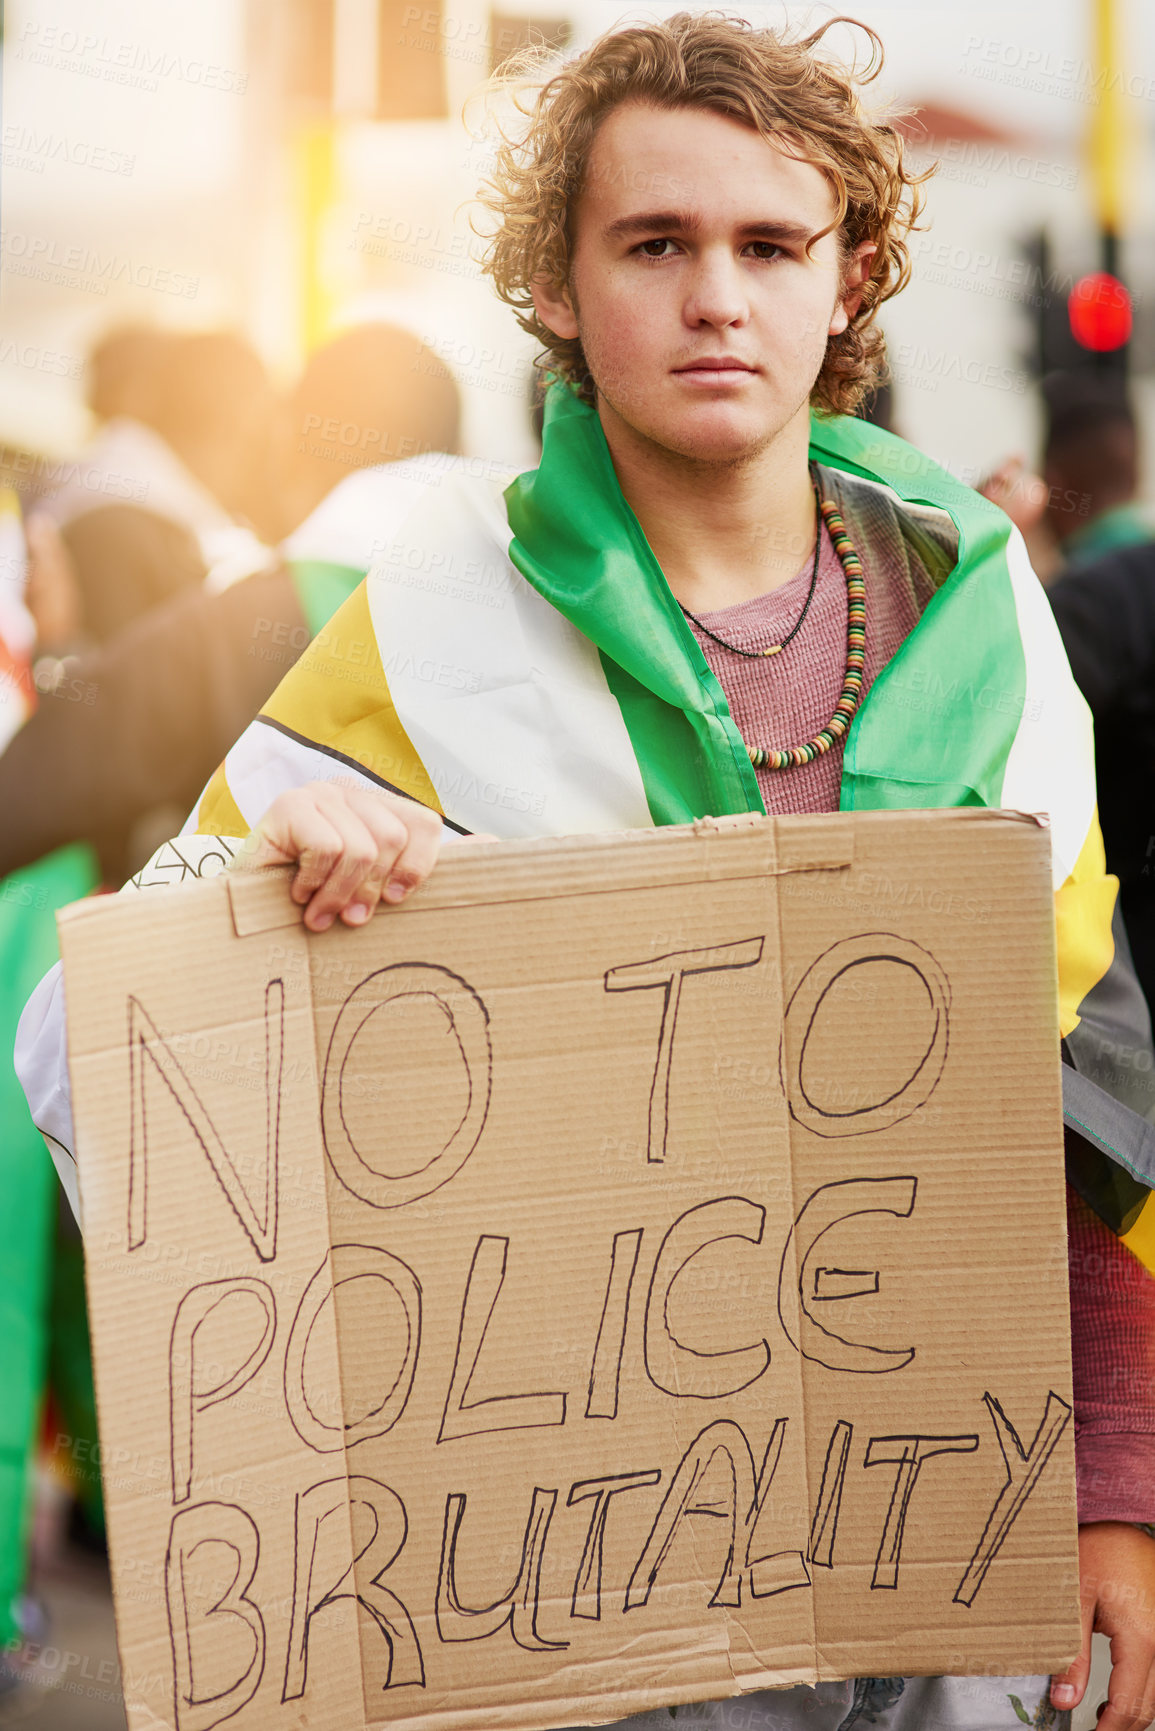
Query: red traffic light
[1099,309]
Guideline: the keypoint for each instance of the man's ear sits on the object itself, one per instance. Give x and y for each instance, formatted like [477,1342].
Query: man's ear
[554,307]
[857,273]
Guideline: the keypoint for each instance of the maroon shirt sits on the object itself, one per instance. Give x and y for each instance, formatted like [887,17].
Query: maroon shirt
[784,700]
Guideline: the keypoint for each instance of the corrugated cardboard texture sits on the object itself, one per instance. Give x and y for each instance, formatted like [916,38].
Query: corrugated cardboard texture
[632,1272]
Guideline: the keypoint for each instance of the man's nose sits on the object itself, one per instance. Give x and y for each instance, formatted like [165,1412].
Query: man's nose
[717,290]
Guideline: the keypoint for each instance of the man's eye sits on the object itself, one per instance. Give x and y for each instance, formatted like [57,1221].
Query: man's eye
[765,249]
[655,248]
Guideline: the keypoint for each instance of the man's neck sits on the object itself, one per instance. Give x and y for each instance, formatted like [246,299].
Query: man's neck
[722,532]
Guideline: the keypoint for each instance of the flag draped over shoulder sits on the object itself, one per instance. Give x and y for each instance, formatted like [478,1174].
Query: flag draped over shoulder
[516,660]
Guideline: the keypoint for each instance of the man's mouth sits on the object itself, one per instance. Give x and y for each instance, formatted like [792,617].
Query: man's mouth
[724,373]
[717,364]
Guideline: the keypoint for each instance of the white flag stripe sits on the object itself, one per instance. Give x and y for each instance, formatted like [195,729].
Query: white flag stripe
[266,762]
[537,745]
[1051,764]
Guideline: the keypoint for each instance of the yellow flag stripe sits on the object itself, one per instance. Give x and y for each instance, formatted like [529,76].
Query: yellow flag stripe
[1084,905]
[1140,1238]
[218,813]
[338,697]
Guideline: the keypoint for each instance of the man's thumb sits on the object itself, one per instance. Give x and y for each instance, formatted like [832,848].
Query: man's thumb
[258,850]
[1069,1686]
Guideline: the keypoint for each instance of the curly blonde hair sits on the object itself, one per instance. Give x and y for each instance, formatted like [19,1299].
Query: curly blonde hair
[807,104]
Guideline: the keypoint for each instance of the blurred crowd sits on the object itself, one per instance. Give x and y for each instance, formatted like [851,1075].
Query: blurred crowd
[156,587]
[165,588]
[1090,539]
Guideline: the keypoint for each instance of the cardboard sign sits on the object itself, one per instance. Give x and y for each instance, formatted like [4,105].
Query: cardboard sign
[631,1273]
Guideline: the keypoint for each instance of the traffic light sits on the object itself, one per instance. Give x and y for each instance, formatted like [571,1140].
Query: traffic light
[1099,313]
[1079,324]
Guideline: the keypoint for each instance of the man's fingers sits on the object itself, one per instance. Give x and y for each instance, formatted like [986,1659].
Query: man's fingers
[1117,1578]
[1068,1687]
[258,850]
[1147,1705]
[303,834]
[330,886]
[352,848]
[1131,1696]
[368,893]
[417,858]
[407,839]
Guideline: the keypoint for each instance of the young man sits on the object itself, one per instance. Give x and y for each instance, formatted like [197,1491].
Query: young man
[681,611]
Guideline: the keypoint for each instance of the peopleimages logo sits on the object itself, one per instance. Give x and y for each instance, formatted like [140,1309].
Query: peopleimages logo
[91,477]
[86,268]
[990,273]
[973,162]
[118,62]
[1027,67]
[926,369]
[40,360]
[24,147]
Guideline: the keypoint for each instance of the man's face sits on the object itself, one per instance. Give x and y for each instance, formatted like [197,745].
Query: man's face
[703,319]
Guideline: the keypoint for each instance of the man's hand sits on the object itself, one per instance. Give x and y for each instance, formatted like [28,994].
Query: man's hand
[1018,492]
[1117,1586]
[353,848]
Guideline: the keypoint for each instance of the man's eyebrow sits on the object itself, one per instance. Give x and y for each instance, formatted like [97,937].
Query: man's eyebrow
[684,222]
[794,233]
[647,221]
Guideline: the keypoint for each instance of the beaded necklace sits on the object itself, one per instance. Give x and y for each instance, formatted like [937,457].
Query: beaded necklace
[775,648]
[849,698]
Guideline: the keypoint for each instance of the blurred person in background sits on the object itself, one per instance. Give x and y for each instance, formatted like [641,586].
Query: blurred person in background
[29,1212]
[125,740]
[215,412]
[1105,609]
[163,494]
[373,395]
[1091,468]
[148,512]
[1085,501]
[129,733]
[1015,487]
[123,383]
[1092,543]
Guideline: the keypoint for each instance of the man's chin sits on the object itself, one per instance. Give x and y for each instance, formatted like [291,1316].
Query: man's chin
[701,439]
[716,432]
